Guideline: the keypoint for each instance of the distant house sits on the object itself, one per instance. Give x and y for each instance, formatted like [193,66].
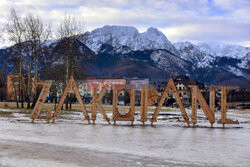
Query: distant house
[137,83]
[159,85]
[181,83]
[13,86]
[241,96]
[85,87]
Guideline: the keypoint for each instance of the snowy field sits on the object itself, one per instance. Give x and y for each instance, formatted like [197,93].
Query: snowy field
[71,141]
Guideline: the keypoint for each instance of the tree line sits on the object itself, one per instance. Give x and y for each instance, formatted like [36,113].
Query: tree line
[30,37]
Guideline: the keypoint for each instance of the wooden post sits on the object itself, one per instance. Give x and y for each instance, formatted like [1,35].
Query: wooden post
[115,93]
[169,86]
[223,105]
[37,109]
[132,105]
[48,116]
[212,98]
[144,103]
[94,98]
[194,105]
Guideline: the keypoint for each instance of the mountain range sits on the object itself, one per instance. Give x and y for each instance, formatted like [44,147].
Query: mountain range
[122,51]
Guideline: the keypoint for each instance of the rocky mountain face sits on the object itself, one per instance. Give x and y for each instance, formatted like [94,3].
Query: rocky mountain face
[193,54]
[220,57]
[121,51]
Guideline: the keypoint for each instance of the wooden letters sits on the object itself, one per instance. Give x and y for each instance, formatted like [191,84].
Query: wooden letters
[224,105]
[197,96]
[96,103]
[72,88]
[170,87]
[131,114]
[40,101]
[149,96]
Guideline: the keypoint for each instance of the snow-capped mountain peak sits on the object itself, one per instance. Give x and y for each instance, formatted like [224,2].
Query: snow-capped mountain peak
[224,50]
[180,45]
[153,34]
[118,36]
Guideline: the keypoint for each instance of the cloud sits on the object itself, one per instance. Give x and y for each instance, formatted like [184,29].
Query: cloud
[204,20]
[232,4]
[225,32]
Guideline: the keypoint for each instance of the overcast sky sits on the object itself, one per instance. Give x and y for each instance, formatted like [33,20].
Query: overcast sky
[226,21]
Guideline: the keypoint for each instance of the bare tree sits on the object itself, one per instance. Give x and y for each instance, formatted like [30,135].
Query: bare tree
[36,35]
[55,73]
[15,31]
[15,79]
[68,33]
[15,84]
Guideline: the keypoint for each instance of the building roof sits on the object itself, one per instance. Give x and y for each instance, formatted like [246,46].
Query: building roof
[185,80]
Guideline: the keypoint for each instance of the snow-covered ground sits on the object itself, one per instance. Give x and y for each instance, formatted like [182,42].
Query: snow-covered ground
[71,141]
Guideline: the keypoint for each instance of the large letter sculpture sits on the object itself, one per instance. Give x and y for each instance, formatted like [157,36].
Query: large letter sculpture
[224,105]
[149,96]
[71,88]
[197,96]
[170,86]
[96,102]
[36,111]
[131,114]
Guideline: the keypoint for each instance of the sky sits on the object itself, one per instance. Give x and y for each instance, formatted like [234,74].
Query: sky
[222,21]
